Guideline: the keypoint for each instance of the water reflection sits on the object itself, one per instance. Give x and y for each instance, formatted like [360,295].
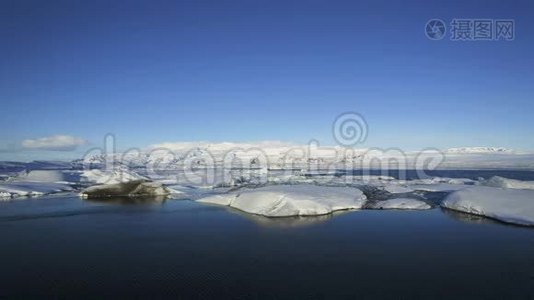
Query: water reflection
[285,222]
[468,218]
[145,200]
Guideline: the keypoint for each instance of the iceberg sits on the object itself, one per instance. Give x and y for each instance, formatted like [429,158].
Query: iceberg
[80,176]
[399,203]
[498,181]
[507,205]
[438,187]
[30,189]
[70,176]
[33,183]
[397,189]
[132,188]
[110,176]
[291,200]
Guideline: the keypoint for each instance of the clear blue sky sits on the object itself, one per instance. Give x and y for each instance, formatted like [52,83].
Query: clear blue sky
[155,71]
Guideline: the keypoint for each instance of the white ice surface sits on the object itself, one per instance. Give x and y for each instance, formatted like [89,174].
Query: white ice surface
[131,188]
[400,203]
[291,200]
[42,182]
[110,177]
[438,187]
[498,181]
[507,205]
[76,176]
[31,188]
[397,189]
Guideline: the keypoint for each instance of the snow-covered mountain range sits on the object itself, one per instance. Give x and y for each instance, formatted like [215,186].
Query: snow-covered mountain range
[480,150]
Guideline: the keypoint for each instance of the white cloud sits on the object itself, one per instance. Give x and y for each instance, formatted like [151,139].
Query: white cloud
[54,143]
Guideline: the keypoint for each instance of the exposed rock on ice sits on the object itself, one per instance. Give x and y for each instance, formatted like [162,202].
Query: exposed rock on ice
[498,181]
[399,203]
[42,182]
[291,200]
[507,205]
[129,189]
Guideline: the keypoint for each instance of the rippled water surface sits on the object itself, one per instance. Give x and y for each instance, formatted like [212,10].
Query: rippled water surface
[68,247]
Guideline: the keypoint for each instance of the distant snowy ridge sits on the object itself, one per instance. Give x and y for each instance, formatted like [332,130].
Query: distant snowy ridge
[479,150]
[280,156]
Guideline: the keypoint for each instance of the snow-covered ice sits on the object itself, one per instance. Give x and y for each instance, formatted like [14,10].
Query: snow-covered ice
[93,176]
[507,205]
[129,189]
[291,200]
[42,182]
[109,177]
[438,187]
[397,189]
[399,203]
[31,188]
[498,181]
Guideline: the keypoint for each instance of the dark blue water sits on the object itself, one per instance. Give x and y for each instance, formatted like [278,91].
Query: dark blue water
[65,247]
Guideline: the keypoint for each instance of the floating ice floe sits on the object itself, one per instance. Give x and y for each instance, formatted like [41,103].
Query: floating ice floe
[31,188]
[507,205]
[399,203]
[498,181]
[70,176]
[397,189]
[79,176]
[42,182]
[438,180]
[110,176]
[127,189]
[438,187]
[291,200]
